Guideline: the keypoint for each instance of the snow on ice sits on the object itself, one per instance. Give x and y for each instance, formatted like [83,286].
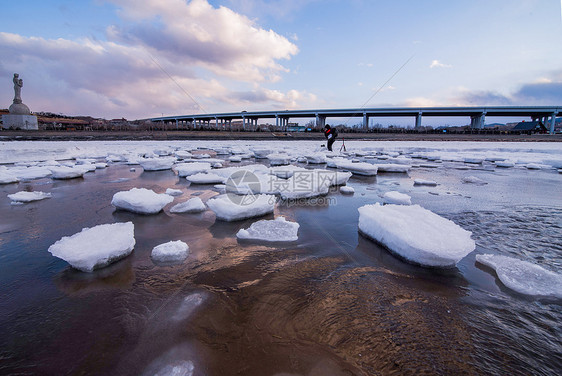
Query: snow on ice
[359,168]
[186,169]
[416,234]
[231,207]
[524,277]
[141,200]
[174,192]
[96,247]
[277,230]
[63,172]
[173,251]
[157,164]
[205,178]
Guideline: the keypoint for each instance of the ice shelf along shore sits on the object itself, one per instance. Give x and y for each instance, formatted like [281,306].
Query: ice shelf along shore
[416,234]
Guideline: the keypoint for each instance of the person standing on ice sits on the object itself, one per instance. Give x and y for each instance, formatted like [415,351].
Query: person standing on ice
[331,135]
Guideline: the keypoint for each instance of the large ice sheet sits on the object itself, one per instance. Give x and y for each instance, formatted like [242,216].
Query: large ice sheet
[230,207]
[24,196]
[141,200]
[96,247]
[277,230]
[416,234]
[524,277]
[172,251]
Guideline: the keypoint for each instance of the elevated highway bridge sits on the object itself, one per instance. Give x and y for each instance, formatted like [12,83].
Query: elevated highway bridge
[546,114]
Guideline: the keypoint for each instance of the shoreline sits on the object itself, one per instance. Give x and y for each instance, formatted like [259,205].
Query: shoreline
[11,135]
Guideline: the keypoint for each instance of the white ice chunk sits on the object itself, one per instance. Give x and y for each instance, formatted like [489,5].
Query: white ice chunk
[416,234]
[186,169]
[393,167]
[345,189]
[30,173]
[534,166]
[429,183]
[505,164]
[230,207]
[157,164]
[172,251]
[279,159]
[63,172]
[141,200]
[262,153]
[285,172]
[235,158]
[360,168]
[174,192]
[7,177]
[394,197]
[473,180]
[183,154]
[193,205]
[24,196]
[524,277]
[100,165]
[316,158]
[474,160]
[277,230]
[205,178]
[96,247]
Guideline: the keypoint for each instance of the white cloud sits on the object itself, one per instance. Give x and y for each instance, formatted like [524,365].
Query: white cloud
[438,64]
[210,53]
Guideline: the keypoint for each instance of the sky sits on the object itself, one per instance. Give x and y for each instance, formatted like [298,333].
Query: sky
[146,58]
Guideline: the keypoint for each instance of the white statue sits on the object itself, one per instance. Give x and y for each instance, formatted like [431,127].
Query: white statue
[18,84]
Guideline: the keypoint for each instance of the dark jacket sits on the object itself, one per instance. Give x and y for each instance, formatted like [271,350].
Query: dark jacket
[330,131]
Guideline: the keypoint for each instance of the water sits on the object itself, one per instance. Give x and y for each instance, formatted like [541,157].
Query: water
[333,303]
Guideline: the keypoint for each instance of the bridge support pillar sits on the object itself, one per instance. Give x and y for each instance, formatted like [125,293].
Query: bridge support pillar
[477,121]
[418,121]
[365,121]
[320,121]
[552,122]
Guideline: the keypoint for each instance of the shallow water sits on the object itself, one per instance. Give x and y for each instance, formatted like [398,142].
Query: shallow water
[332,303]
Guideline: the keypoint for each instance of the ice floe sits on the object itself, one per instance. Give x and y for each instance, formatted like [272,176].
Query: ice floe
[174,192]
[186,169]
[8,178]
[157,164]
[345,189]
[429,183]
[96,247]
[141,200]
[524,277]
[416,234]
[359,168]
[24,196]
[63,172]
[279,159]
[205,178]
[193,205]
[231,207]
[173,251]
[277,230]
[393,167]
[394,197]
[473,180]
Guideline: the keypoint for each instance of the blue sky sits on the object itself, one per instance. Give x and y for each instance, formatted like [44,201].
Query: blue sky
[137,59]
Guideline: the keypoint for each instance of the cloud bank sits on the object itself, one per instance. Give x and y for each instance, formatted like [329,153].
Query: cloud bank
[147,64]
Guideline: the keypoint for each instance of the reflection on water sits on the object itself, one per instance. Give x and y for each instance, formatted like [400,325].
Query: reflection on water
[332,303]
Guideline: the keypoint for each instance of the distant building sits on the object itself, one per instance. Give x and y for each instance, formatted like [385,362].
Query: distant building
[530,127]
